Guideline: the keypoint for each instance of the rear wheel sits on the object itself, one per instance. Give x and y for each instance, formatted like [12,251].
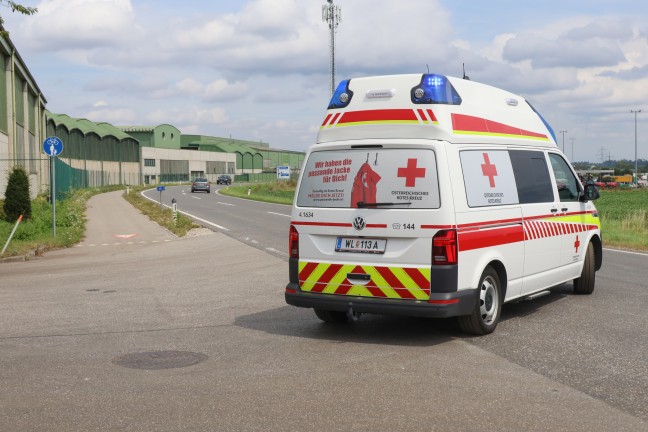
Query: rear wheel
[488,306]
[585,283]
[336,316]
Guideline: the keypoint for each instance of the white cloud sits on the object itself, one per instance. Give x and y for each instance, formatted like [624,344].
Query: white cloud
[258,69]
[63,25]
[116,116]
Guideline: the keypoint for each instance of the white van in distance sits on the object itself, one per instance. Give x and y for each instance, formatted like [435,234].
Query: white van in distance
[428,195]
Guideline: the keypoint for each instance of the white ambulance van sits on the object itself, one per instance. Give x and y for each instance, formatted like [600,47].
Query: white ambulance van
[434,196]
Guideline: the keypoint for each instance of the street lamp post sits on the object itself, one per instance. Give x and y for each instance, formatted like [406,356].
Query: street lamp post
[635,112]
[563,139]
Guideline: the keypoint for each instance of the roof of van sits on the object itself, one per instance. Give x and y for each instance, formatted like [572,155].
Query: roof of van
[432,106]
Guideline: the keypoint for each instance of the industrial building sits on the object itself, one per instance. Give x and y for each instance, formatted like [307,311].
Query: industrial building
[22,120]
[99,153]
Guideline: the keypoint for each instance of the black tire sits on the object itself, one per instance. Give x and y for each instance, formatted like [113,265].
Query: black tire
[585,283]
[488,306]
[334,317]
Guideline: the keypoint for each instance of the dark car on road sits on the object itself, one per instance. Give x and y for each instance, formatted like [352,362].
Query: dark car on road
[224,179]
[200,184]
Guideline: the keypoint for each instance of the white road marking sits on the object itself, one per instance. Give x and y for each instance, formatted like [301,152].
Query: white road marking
[194,197]
[276,251]
[223,203]
[190,215]
[625,251]
[204,221]
[279,214]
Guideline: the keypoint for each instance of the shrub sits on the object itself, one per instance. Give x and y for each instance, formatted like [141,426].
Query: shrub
[17,201]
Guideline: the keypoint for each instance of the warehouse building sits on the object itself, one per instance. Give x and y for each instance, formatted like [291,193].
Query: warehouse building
[22,120]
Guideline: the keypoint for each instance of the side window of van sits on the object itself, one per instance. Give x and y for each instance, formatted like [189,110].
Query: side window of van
[532,176]
[565,181]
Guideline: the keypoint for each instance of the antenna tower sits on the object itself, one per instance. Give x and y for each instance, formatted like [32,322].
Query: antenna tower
[332,15]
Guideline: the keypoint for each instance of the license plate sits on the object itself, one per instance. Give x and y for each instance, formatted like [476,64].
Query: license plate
[360,245]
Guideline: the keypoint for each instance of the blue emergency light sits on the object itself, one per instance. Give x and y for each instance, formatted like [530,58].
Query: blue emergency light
[435,89]
[342,96]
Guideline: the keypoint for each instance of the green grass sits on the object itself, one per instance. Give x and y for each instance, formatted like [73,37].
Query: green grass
[280,192]
[163,216]
[624,217]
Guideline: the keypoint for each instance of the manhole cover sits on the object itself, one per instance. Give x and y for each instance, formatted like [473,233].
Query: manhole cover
[160,359]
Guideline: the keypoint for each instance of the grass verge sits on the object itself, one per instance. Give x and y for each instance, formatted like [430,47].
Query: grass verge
[277,192]
[624,218]
[163,216]
[36,234]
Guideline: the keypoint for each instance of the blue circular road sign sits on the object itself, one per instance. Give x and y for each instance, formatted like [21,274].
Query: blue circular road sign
[53,146]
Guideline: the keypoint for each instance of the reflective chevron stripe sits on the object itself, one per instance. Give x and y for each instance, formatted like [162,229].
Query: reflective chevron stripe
[411,283]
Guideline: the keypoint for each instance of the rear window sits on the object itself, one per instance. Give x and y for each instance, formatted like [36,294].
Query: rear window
[371,178]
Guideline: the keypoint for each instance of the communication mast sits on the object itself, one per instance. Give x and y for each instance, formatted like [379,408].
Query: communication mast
[332,15]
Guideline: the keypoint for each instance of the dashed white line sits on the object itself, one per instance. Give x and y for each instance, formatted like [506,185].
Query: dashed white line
[224,203]
[278,214]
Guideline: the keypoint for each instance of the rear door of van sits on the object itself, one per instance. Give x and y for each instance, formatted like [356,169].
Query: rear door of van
[365,217]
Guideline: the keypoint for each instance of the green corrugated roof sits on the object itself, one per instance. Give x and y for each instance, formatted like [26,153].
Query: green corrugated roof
[137,128]
[86,126]
[226,145]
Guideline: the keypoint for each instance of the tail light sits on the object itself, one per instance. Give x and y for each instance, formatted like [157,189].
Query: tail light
[444,248]
[293,242]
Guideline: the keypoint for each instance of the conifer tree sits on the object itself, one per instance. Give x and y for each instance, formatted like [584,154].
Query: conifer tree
[17,201]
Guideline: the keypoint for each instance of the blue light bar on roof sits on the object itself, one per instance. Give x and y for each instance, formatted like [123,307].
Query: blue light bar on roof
[547,125]
[342,96]
[435,89]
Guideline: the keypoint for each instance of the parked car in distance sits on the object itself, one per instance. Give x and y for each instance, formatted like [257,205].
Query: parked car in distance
[200,184]
[224,179]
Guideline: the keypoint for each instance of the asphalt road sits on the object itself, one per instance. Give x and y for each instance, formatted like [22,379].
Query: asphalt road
[69,321]
[261,225]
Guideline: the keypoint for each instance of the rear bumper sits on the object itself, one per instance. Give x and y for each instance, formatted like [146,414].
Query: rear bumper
[447,304]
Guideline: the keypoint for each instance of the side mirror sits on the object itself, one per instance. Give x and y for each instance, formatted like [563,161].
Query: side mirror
[591,192]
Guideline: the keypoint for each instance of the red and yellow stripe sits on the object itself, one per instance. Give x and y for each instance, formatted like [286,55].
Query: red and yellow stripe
[469,125]
[408,283]
[381,116]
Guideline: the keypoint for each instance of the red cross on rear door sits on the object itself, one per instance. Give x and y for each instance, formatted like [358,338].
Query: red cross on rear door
[411,172]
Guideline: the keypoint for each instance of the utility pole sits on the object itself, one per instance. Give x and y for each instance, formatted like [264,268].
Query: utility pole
[635,112]
[602,154]
[572,140]
[332,15]
[563,139]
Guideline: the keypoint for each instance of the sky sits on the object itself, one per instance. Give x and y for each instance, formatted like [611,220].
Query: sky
[258,70]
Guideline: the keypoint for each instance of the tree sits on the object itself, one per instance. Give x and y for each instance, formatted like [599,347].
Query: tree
[17,201]
[15,7]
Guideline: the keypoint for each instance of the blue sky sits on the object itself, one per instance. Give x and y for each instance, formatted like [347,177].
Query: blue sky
[258,69]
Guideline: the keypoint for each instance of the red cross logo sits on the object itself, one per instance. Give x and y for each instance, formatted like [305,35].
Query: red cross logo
[576,244]
[489,170]
[411,173]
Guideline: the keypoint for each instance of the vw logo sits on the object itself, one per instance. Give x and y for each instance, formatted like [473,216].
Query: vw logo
[359,223]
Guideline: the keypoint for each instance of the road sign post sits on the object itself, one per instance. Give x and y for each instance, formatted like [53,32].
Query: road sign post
[160,189]
[53,146]
[283,173]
